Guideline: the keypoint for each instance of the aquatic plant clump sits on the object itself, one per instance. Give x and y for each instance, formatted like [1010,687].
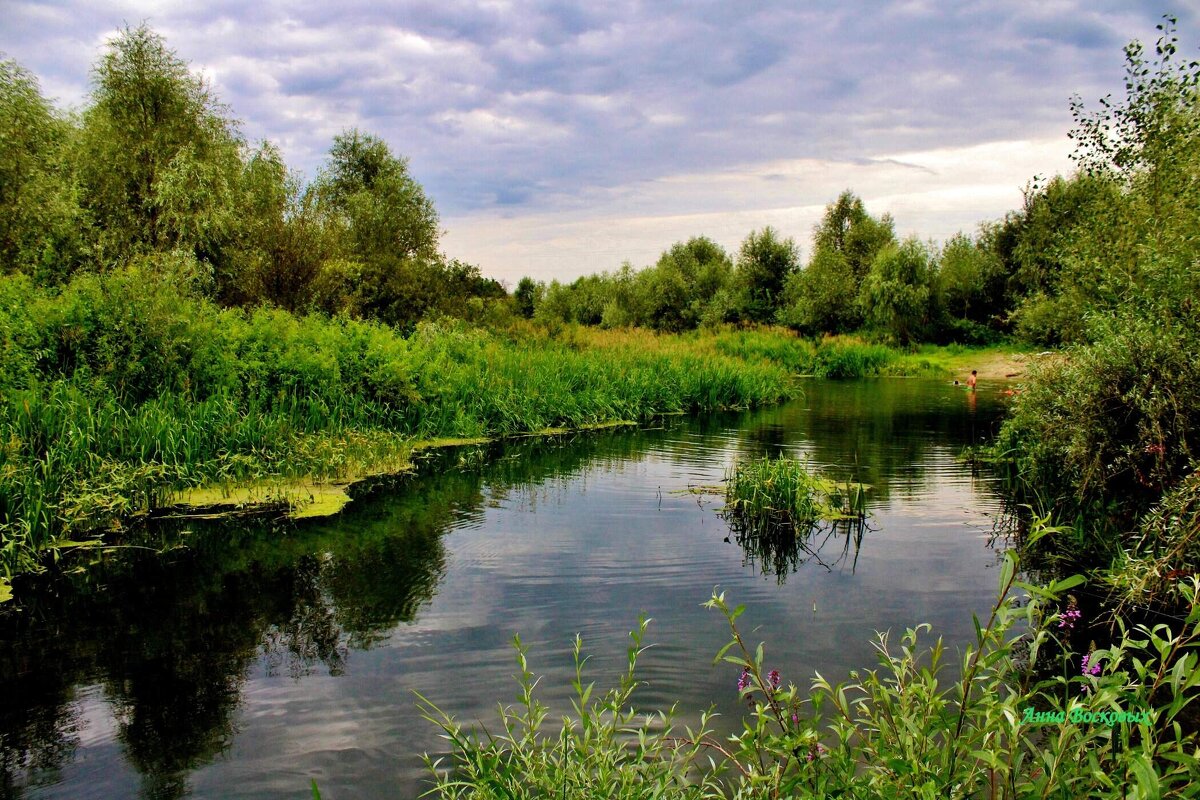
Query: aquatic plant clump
[768,492]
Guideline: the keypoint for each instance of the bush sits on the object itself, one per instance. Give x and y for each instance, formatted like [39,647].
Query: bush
[1105,724]
[1101,431]
[841,357]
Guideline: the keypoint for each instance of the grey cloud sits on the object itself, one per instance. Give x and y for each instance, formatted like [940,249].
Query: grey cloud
[513,104]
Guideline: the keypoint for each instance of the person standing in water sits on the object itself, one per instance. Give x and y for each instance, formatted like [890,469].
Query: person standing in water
[971,381]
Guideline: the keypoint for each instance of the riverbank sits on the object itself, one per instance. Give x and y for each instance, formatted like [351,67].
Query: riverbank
[121,396]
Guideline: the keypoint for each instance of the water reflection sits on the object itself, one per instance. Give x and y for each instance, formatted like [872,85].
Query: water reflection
[132,678]
[781,549]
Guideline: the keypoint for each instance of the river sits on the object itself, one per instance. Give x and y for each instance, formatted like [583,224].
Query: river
[243,660]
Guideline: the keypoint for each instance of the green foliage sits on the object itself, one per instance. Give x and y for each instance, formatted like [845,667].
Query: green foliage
[1151,567]
[1103,430]
[527,296]
[844,357]
[692,283]
[824,296]
[849,230]
[158,160]
[1050,320]
[765,262]
[155,168]
[1155,129]
[965,284]
[904,729]
[896,290]
[765,493]
[39,213]
[1106,434]
[385,213]
[604,749]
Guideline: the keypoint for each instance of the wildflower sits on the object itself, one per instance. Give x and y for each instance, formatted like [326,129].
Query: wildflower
[1087,668]
[795,718]
[816,751]
[744,680]
[1068,618]
[773,677]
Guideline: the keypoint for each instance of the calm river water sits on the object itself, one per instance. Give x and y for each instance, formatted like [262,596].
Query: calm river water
[247,660]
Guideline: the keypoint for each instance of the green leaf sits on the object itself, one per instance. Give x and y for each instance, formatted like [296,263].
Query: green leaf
[1067,583]
[1007,570]
[6,593]
[721,653]
[1147,779]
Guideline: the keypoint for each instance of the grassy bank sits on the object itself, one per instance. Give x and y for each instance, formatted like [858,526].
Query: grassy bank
[121,395]
[118,393]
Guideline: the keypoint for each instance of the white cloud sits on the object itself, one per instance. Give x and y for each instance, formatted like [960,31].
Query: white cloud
[714,116]
[931,194]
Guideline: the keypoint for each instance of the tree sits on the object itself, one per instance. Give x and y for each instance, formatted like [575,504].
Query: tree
[966,272]
[848,229]
[684,281]
[764,264]
[1143,247]
[285,243]
[159,160]
[895,294]
[384,211]
[387,233]
[822,297]
[39,215]
[527,295]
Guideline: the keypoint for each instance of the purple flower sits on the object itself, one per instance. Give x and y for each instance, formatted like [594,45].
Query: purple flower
[1068,618]
[773,677]
[1087,668]
[795,718]
[744,680]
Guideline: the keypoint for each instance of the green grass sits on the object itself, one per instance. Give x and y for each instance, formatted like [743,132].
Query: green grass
[766,491]
[116,394]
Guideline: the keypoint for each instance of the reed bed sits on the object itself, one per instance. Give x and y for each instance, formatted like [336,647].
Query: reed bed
[763,494]
[116,393]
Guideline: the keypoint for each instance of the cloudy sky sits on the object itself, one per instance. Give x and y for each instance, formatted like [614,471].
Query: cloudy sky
[561,138]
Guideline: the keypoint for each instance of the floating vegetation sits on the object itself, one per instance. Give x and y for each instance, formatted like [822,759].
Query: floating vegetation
[783,515]
[784,490]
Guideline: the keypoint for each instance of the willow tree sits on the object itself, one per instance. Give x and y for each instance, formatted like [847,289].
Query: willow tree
[39,219]
[764,264]
[159,160]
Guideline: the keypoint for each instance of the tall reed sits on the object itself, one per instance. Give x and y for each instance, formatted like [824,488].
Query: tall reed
[117,391]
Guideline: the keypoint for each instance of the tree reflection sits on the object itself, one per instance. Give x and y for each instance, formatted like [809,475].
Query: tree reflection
[171,633]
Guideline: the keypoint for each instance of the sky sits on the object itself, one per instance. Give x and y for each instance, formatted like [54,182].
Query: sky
[558,139]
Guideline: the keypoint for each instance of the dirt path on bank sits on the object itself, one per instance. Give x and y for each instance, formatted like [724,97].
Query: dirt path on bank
[991,365]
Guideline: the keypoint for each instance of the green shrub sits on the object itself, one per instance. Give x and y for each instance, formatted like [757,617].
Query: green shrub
[1101,431]
[840,357]
[1104,725]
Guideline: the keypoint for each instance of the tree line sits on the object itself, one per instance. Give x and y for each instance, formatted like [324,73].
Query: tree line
[154,171]
[1020,276]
